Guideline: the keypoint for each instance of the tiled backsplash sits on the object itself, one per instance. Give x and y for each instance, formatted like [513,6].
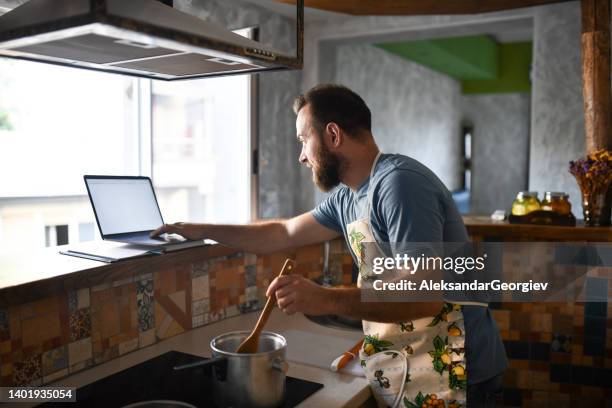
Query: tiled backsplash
[560,353]
[50,338]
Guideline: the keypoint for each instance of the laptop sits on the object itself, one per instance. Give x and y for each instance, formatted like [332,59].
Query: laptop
[127,211]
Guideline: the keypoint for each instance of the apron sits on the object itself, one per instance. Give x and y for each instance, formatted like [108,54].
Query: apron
[409,363]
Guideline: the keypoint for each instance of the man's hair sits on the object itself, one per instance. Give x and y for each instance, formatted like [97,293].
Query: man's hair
[338,104]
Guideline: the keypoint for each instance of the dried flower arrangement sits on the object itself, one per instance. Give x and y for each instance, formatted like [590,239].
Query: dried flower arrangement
[594,177]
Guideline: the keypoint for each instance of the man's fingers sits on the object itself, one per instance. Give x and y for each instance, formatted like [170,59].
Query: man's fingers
[285,302]
[159,231]
[278,283]
[285,290]
[290,309]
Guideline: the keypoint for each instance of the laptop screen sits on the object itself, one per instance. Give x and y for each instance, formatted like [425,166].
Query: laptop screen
[123,204]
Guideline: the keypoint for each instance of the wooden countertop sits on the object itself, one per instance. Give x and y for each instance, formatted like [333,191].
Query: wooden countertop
[32,275]
[483,226]
[35,274]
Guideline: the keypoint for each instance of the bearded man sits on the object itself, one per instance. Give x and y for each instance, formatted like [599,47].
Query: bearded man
[447,352]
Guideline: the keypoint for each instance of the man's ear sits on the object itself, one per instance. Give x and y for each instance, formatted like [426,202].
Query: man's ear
[335,134]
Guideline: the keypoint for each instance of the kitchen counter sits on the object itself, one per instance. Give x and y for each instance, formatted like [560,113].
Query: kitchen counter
[479,226]
[340,390]
[29,275]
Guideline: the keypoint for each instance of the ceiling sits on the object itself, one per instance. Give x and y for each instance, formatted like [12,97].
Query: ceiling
[417,7]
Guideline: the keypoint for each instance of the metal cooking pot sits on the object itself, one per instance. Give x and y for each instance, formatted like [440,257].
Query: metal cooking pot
[247,380]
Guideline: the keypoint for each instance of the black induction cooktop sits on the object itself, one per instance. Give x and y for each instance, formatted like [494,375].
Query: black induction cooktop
[155,379]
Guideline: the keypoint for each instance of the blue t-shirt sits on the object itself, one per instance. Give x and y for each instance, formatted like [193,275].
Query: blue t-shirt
[410,204]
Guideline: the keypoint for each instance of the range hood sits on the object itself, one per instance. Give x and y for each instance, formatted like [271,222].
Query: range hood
[144,38]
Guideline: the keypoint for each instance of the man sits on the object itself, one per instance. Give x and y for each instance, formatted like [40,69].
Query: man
[385,199]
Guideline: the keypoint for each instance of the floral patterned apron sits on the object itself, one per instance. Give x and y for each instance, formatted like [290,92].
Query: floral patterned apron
[409,363]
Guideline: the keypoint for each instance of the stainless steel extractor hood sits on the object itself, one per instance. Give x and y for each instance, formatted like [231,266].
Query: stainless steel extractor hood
[135,37]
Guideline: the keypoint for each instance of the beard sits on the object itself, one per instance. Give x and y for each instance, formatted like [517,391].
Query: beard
[327,171]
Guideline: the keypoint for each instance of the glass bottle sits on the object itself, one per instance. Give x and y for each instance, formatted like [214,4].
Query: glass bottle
[556,201]
[525,202]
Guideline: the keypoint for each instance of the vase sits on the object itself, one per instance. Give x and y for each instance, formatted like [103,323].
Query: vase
[596,207]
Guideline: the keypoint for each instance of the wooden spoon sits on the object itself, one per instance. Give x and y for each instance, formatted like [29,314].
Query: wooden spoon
[251,343]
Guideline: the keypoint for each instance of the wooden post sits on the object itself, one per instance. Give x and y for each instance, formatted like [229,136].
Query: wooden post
[596,74]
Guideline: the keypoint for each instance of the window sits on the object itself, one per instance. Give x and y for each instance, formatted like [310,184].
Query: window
[467,158]
[57,124]
[201,157]
[462,196]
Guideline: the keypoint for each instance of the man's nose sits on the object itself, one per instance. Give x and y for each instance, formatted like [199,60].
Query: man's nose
[302,159]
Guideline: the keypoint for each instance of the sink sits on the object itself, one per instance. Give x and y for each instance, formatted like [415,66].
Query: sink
[335,321]
[338,322]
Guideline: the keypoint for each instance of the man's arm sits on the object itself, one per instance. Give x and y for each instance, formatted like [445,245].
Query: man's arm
[261,237]
[295,293]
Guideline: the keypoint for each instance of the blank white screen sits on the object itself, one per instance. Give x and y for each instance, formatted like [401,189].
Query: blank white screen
[124,205]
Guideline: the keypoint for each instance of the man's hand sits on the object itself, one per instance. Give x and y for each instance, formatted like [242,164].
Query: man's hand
[294,293]
[183,229]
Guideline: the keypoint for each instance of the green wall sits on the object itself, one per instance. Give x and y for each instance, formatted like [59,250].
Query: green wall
[479,63]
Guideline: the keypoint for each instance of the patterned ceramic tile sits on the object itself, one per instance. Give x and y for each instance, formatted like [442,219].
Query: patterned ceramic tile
[215,316]
[502,318]
[102,286]
[27,371]
[200,287]
[5,332]
[122,282]
[106,354]
[55,376]
[146,308]
[232,311]
[80,324]
[127,346]
[226,278]
[250,274]
[5,348]
[146,338]
[55,360]
[179,299]
[200,307]
[144,277]
[165,282]
[200,268]
[39,329]
[80,366]
[250,259]
[197,321]
[128,314]
[249,306]
[163,320]
[79,351]
[251,293]
[72,301]
[174,329]
[166,308]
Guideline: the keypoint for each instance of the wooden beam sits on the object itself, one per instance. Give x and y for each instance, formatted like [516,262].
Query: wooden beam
[418,7]
[596,74]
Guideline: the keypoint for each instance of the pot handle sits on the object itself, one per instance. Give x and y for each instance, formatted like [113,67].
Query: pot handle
[215,361]
[281,365]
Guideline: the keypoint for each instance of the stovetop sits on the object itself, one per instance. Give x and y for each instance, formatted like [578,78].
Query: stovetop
[155,379]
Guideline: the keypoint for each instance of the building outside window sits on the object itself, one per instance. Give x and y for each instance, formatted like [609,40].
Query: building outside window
[201,149]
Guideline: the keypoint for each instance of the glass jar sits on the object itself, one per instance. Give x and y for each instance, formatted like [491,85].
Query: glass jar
[557,202]
[525,202]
